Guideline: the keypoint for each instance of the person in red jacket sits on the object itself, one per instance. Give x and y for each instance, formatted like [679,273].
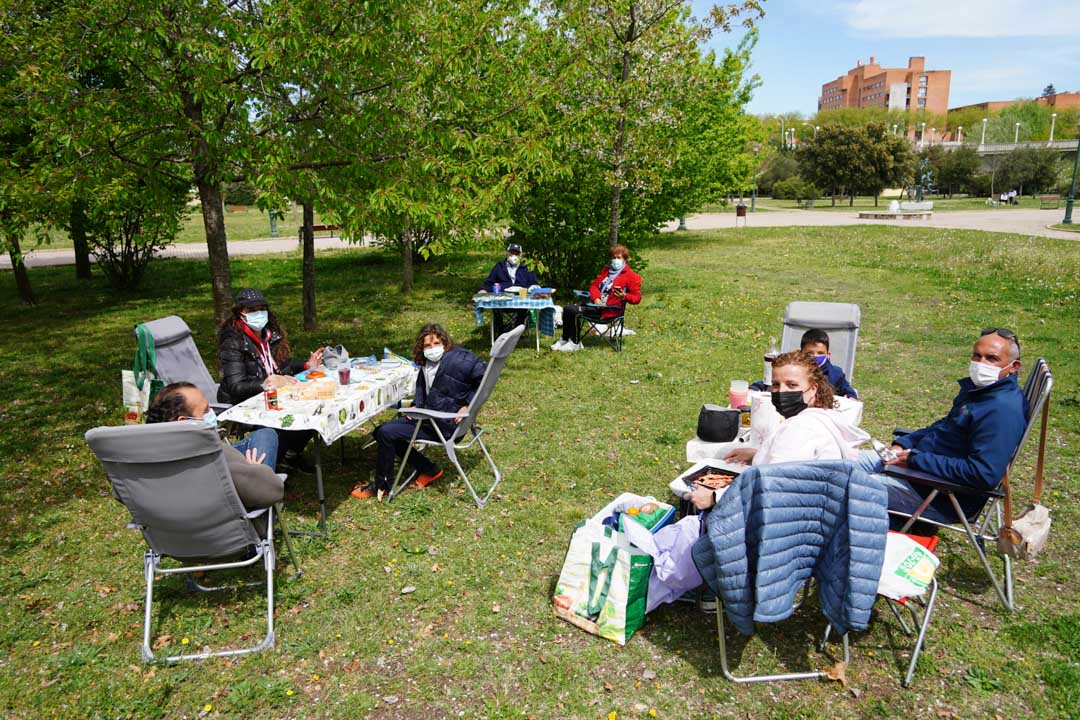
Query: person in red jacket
[615,286]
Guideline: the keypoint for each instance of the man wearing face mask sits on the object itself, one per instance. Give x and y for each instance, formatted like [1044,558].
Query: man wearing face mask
[251,461]
[971,445]
[510,272]
[448,379]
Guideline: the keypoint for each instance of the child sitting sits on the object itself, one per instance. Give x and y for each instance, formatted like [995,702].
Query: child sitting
[816,343]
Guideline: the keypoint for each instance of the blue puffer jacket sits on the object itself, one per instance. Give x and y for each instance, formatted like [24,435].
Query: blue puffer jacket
[778,525]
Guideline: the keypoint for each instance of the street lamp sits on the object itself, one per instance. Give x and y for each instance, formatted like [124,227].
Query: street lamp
[1072,188]
[982,141]
[960,134]
[894,128]
[783,134]
[932,131]
[1053,119]
[922,135]
[1016,136]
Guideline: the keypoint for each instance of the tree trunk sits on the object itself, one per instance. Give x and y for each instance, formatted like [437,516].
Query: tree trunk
[22,279]
[77,226]
[834,197]
[875,199]
[310,319]
[406,261]
[217,249]
[620,147]
[851,200]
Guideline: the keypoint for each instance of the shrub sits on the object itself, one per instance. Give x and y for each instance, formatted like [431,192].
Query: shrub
[795,189]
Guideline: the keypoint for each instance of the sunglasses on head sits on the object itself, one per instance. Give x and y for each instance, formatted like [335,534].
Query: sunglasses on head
[1003,332]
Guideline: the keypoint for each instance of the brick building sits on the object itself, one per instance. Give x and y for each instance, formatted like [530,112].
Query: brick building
[908,89]
[1057,101]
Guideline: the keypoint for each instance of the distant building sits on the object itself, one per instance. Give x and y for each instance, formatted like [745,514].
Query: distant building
[1058,101]
[906,89]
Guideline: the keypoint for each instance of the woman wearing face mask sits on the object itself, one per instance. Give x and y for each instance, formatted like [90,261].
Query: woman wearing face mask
[616,285]
[510,272]
[448,378]
[253,353]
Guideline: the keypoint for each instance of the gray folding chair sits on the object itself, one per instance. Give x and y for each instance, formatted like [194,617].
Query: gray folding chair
[504,345]
[178,359]
[840,320]
[174,480]
[983,525]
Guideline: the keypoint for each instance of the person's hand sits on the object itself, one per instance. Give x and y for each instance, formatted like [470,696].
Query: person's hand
[741,455]
[901,457]
[462,409]
[316,358]
[620,292]
[703,498]
[481,291]
[253,457]
[276,381]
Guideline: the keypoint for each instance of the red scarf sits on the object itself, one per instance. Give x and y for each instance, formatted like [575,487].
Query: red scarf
[262,347]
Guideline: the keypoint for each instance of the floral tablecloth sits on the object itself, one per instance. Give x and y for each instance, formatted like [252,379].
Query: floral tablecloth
[373,389]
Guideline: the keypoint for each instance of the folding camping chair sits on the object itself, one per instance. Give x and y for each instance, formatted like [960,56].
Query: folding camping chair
[610,329]
[174,480]
[501,350]
[985,523]
[178,358]
[840,320]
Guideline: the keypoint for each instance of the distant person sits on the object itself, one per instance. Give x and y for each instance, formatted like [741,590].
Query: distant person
[616,285]
[253,353]
[251,461]
[510,272]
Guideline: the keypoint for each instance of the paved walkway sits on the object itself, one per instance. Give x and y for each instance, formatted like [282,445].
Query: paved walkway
[1022,222]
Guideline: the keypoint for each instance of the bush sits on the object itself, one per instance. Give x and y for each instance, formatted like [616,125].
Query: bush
[795,189]
[775,169]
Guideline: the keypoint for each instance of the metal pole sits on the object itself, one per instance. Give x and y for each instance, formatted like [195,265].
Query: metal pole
[1072,188]
[1016,136]
[783,135]
[960,134]
[1053,119]
[982,141]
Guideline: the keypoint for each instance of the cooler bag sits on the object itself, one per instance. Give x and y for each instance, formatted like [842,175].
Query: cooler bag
[604,584]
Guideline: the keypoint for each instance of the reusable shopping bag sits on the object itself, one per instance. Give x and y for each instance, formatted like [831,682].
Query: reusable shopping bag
[908,568]
[141,383]
[604,583]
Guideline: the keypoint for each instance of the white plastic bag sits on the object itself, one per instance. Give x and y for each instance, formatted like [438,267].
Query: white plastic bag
[908,568]
[136,399]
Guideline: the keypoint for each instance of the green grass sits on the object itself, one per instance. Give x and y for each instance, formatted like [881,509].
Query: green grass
[241,223]
[568,431]
[941,203]
[1073,227]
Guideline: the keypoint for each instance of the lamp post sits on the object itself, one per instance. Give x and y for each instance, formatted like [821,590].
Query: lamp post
[816,128]
[894,128]
[982,141]
[1053,119]
[1016,135]
[1072,188]
[922,135]
[960,134]
[783,134]
[932,132]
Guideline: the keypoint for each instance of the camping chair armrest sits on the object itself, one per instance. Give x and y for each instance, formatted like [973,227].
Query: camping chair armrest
[419,413]
[925,479]
[251,515]
[581,294]
[601,306]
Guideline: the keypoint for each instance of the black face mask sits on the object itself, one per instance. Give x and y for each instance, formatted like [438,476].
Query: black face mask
[788,403]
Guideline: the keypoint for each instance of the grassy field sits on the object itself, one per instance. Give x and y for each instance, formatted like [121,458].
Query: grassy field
[477,638]
[941,203]
[1068,228]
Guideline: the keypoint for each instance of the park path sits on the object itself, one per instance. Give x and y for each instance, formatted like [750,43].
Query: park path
[1022,222]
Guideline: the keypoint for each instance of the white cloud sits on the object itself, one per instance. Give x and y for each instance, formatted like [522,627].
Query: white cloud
[963,18]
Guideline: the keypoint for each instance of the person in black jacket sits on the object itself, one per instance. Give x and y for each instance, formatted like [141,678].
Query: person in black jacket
[448,379]
[253,353]
[509,273]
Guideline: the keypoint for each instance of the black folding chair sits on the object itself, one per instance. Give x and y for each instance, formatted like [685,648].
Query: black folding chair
[609,328]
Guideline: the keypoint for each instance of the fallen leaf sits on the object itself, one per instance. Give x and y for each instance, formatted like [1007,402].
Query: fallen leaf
[648,675]
[390,699]
[495,608]
[435,568]
[408,589]
[836,672]
[608,687]
[162,642]
[388,569]
[855,693]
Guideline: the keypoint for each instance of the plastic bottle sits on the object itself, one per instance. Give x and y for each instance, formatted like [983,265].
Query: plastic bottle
[770,355]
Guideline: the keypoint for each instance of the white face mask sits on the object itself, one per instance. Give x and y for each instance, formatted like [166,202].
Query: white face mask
[512,260]
[257,319]
[433,354]
[617,264]
[210,418]
[983,374]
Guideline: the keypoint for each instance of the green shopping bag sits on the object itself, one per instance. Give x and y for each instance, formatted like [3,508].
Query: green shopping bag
[141,383]
[604,583]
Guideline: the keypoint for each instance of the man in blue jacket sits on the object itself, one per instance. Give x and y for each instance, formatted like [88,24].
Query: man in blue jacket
[448,379]
[510,272]
[973,444]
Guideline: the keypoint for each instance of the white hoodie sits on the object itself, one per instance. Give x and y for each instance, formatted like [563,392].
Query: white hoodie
[813,434]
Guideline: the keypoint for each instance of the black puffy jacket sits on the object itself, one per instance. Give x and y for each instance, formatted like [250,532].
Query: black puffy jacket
[242,373]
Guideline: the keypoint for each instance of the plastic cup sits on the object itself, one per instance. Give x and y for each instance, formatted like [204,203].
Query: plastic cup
[344,374]
[738,393]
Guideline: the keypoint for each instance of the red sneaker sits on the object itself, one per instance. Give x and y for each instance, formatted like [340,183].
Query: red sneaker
[363,492]
[425,480]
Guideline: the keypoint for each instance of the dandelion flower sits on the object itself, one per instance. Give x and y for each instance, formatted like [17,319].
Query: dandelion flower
[207,708]
[185,641]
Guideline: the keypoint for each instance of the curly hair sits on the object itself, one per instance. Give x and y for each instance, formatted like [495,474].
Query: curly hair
[619,251]
[168,404]
[282,351]
[429,329]
[824,397]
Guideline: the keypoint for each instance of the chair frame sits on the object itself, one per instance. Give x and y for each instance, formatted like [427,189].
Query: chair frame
[985,525]
[613,326]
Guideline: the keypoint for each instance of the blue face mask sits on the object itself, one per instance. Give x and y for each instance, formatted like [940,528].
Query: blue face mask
[821,360]
[257,319]
[617,264]
[210,418]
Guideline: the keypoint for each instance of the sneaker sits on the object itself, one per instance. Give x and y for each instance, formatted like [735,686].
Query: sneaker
[364,492]
[572,347]
[559,345]
[424,480]
[627,332]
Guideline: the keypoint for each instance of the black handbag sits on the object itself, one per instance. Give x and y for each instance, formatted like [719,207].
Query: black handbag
[717,424]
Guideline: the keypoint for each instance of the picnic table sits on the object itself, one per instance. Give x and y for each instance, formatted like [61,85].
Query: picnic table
[373,389]
[541,310]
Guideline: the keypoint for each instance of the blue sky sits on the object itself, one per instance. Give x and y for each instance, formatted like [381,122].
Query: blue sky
[996,50]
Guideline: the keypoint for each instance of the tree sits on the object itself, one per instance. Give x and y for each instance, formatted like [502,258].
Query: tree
[774,169]
[1034,168]
[957,169]
[1049,90]
[860,159]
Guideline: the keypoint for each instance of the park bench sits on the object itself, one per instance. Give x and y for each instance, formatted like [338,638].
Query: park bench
[318,228]
[1049,202]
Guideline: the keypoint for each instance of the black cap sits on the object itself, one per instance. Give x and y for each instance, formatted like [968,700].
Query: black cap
[250,298]
[513,248]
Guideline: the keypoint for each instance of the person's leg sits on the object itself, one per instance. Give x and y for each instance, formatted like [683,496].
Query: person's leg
[291,444]
[502,320]
[569,325]
[902,496]
[264,441]
[393,439]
